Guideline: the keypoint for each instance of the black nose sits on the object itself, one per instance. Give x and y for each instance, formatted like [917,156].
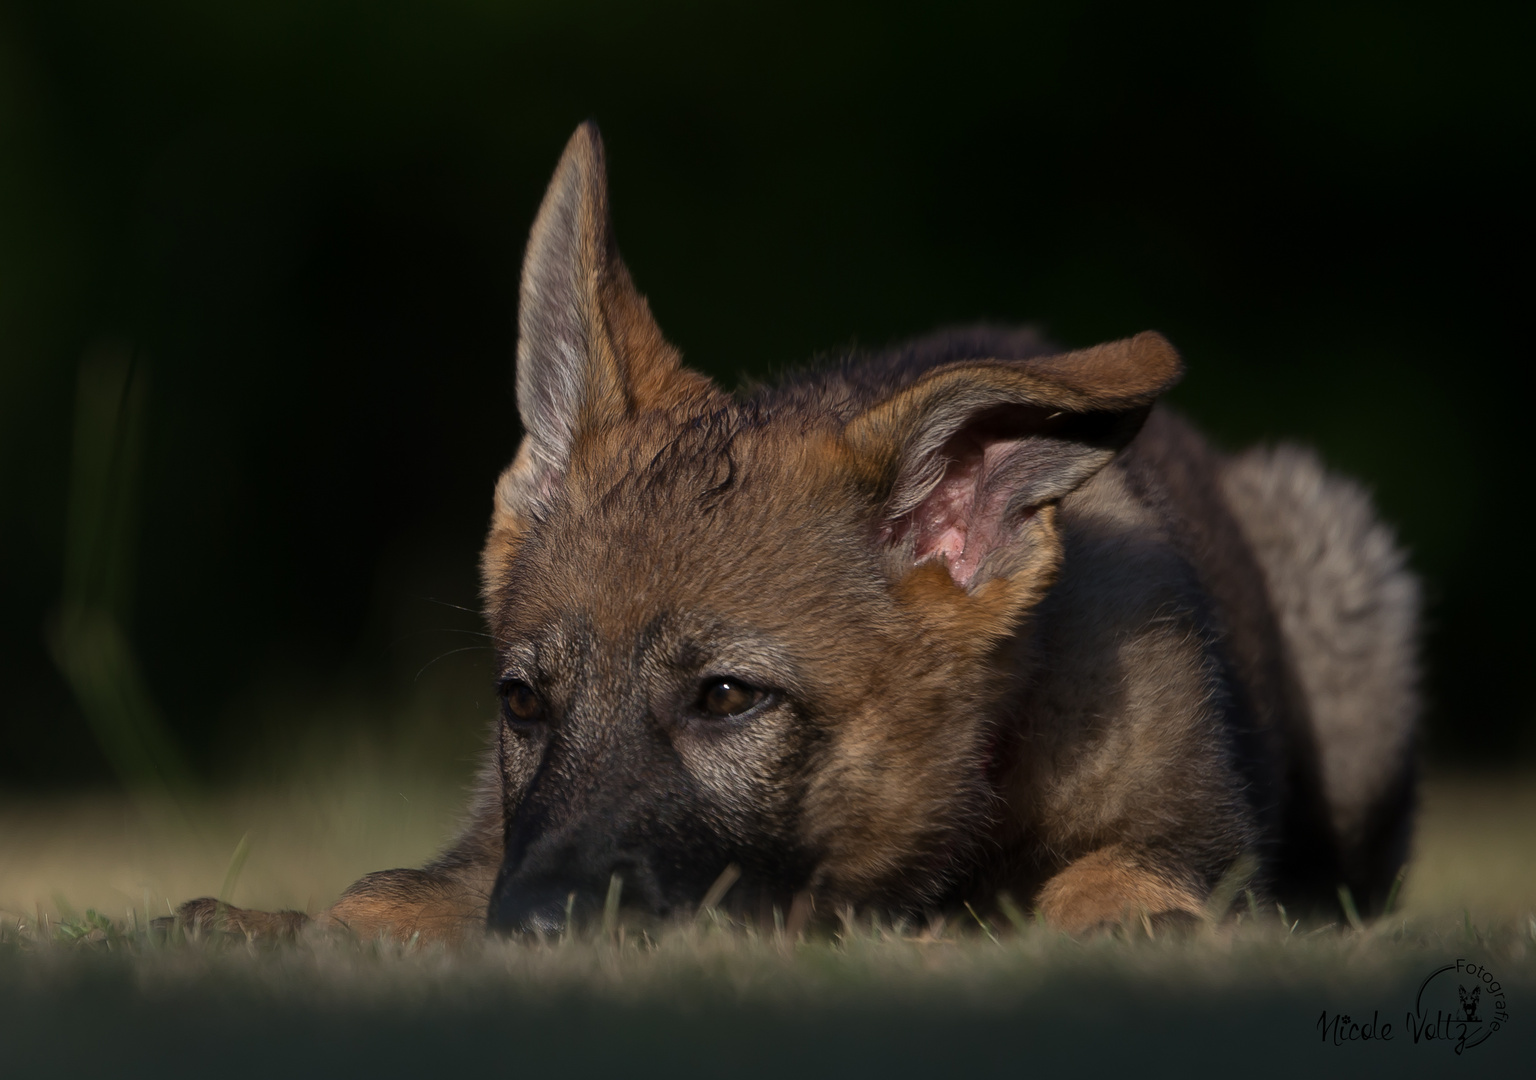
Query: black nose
[543,909]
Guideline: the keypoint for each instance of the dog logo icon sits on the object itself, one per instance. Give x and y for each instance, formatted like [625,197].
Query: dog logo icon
[1469,1002]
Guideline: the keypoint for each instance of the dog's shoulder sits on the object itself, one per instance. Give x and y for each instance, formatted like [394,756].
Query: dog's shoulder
[1149,670]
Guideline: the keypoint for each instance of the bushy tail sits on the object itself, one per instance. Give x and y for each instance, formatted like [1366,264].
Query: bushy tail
[1348,609]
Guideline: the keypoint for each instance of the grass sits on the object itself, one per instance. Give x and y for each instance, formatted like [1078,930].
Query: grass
[84,986]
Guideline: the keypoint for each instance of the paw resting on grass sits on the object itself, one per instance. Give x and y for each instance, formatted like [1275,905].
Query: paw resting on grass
[207,918]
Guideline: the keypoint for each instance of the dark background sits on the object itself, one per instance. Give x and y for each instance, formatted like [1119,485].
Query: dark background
[304,221]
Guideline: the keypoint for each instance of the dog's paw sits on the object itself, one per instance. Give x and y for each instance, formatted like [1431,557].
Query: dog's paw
[207,918]
[1117,887]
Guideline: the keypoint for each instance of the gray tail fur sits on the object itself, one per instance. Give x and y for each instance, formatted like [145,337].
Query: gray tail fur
[1348,609]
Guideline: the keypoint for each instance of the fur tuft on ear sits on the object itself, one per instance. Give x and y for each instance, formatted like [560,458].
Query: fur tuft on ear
[966,455]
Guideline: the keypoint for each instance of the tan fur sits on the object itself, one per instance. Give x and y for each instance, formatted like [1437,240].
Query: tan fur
[1006,624]
[1109,886]
[406,904]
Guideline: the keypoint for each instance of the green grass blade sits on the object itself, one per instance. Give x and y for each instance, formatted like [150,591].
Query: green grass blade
[1013,913]
[728,877]
[985,929]
[1397,885]
[1237,877]
[232,874]
[1352,913]
[611,904]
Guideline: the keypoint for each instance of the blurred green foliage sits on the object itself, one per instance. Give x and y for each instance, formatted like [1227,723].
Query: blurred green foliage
[306,219]
[86,632]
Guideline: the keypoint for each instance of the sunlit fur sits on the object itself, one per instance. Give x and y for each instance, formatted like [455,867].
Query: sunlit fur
[1016,629]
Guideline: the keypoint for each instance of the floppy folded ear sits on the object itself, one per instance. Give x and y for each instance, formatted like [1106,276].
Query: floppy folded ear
[588,351]
[965,457]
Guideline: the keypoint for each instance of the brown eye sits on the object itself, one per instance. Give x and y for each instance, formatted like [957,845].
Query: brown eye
[520,702]
[725,698]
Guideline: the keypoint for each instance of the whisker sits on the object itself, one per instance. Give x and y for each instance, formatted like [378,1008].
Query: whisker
[448,604]
[439,630]
[452,652]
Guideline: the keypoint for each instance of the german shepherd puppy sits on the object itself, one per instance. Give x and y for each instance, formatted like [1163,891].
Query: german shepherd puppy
[968,616]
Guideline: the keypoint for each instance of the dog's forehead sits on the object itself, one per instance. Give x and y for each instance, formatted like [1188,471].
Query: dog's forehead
[746,528]
[729,476]
[712,510]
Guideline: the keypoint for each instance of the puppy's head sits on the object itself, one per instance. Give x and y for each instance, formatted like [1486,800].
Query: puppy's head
[761,632]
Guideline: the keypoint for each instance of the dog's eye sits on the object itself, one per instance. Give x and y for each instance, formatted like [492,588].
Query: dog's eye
[520,703]
[725,698]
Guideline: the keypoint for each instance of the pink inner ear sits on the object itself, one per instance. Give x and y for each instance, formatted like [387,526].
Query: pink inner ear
[961,519]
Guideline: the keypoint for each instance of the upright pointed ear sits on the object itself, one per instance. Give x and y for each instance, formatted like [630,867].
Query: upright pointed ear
[588,351]
[966,457]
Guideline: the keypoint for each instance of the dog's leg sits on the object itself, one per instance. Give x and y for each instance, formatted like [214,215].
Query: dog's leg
[206,916]
[398,904]
[428,905]
[1113,884]
[445,902]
